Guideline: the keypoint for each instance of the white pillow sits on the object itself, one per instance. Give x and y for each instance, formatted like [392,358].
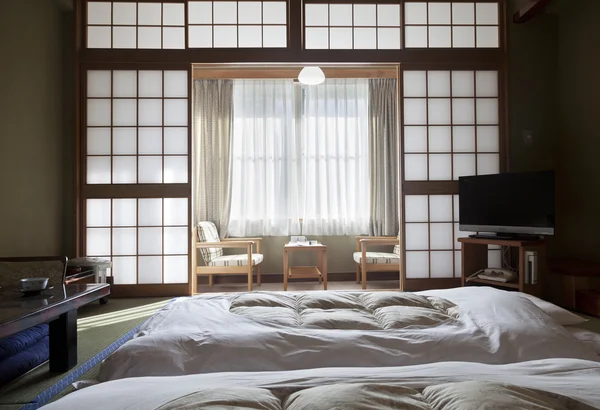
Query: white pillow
[562,316]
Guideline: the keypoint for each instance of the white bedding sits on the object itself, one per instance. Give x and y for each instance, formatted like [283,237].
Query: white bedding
[288,331]
[572,378]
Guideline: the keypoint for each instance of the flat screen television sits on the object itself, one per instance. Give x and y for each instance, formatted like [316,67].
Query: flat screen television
[507,204]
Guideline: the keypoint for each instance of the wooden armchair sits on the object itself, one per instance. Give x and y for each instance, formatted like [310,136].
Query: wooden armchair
[209,244]
[375,261]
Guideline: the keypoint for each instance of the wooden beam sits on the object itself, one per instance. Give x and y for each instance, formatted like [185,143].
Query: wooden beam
[530,9]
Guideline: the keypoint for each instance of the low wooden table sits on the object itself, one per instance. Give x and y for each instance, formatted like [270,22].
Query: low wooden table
[319,272]
[58,307]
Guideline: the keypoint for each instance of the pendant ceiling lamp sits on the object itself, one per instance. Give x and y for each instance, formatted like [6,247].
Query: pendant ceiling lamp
[311,76]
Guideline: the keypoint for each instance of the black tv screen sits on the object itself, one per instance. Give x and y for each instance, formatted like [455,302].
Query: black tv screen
[508,203]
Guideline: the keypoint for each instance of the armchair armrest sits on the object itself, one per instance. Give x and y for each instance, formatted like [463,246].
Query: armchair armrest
[375,240]
[225,244]
[256,240]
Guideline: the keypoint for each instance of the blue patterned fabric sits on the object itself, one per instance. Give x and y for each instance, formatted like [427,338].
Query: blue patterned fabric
[25,360]
[14,344]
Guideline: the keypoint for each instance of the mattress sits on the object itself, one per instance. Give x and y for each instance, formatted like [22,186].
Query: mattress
[543,384]
[270,331]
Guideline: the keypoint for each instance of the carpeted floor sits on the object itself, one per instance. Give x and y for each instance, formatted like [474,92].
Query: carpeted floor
[98,326]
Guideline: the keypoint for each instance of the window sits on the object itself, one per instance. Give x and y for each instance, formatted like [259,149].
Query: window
[300,153]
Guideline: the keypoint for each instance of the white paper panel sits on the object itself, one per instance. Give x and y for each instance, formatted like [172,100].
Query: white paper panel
[173,38]
[124,112]
[316,37]
[176,84]
[97,212]
[415,139]
[463,13]
[176,269]
[415,111]
[225,36]
[150,141]
[486,13]
[274,36]
[340,38]
[149,241]
[457,264]
[124,270]
[274,12]
[176,170]
[463,111]
[124,241]
[463,139]
[98,84]
[124,141]
[151,84]
[316,15]
[98,112]
[440,208]
[200,36]
[488,164]
[176,211]
[98,141]
[417,263]
[99,12]
[124,37]
[487,37]
[176,112]
[487,111]
[150,37]
[440,37]
[150,112]
[365,15]
[150,170]
[415,167]
[150,212]
[124,170]
[200,12]
[415,84]
[176,140]
[150,269]
[124,212]
[99,37]
[388,38]
[488,139]
[486,83]
[439,13]
[440,167]
[417,236]
[365,38]
[149,14]
[124,84]
[460,234]
[415,36]
[173,14]
[124,14]
[340,15]
[225,12]
[438,83]
[249,36]
[494,259]
[176,240]
[440,138]
[97,241]
[416,208]
[388,15]
[415,13]
[98,170]
[456,210]
[439,111]
[463,37]
[463,84]
[442,264]
[464,165]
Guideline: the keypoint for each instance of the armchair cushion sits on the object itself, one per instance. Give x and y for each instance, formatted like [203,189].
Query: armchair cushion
[236,260]
[378,258]
[207,232]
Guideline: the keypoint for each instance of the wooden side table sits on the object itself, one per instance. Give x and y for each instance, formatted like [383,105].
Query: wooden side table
[319,272]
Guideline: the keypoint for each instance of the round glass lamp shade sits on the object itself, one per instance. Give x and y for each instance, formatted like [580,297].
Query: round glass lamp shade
[311,76]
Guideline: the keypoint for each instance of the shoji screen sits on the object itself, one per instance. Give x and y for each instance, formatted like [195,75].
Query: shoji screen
[136,184]
[450,129]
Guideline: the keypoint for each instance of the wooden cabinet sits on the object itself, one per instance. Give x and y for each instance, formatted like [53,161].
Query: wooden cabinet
[475,257]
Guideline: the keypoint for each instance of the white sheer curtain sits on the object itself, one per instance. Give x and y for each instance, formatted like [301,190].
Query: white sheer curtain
[264,165]
[335,146]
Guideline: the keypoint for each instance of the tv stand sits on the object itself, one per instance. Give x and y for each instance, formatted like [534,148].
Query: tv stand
[506,236]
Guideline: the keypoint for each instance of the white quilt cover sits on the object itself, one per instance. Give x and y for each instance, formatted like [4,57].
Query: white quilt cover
[576,379]
[201,334]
